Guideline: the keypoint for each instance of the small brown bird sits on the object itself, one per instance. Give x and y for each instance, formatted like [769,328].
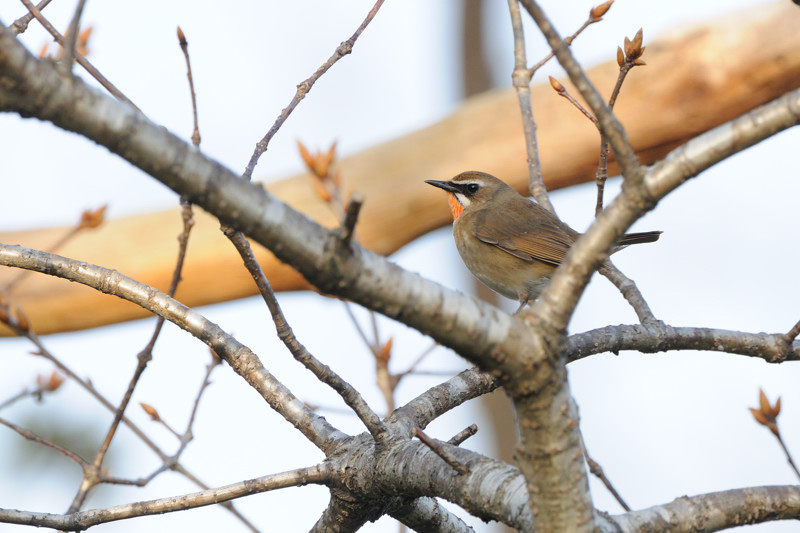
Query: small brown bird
[511,244]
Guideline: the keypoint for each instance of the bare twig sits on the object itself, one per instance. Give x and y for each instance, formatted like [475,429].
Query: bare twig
[304,87]
[629,291]
[595,15]
[143,359]
[185,49]
[82,61]
[241,359]
[626,62]
[792,334]
[318,474]
[21,24]
[87,385]
[31,436]
[351,216]
[323,372]
[412,367]
[89,219]
[521,79]
[463,435]
[71,36]
[441,452]
[597,471]
[563,92]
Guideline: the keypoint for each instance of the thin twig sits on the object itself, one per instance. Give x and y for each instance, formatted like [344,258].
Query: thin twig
[563,92]
[21,24]
[89,387]
[609,124]
[350,217]
[629,291]
[304,87]
[323,372]
[597,471]
[441,452]
[82,61]
[143,358]
[463,435]
[185,49]
[72,37]
[588,22]
[31,436]
[602,168]
[317,474]
[521,79]
[359,330]
[792,334]
[788,456]
[425,353]
[89,219]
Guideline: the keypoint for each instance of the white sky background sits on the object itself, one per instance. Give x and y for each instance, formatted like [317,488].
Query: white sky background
[662,426]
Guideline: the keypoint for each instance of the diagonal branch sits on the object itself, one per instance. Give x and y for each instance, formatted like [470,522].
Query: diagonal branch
[243,361]
[304,87]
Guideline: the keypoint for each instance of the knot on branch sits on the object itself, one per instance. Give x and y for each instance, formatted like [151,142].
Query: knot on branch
[345,48]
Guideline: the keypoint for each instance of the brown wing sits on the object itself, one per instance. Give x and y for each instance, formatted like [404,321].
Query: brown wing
[527,231]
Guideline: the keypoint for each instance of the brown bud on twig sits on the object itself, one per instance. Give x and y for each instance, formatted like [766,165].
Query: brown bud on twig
[767,415]
[92,219]
[634,48]
[150,410]
[597,12]
[555,84]
[620,57]
[50,384]
[327,160]
[304,153]
[181,37]
[386,351]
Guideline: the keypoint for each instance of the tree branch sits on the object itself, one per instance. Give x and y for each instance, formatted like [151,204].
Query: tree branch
[243,361]
[79,521]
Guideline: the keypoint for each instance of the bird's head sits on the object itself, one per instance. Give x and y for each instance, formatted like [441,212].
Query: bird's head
[469,190]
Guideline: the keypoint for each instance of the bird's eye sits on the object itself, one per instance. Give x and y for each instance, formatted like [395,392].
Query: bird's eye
[472,188]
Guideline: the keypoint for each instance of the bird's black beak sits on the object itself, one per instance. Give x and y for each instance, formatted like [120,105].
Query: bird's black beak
[446,185]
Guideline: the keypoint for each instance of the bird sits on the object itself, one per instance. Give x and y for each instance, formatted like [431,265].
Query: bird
[509,242]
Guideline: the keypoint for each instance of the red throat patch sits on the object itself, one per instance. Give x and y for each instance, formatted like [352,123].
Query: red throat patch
[455,207]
